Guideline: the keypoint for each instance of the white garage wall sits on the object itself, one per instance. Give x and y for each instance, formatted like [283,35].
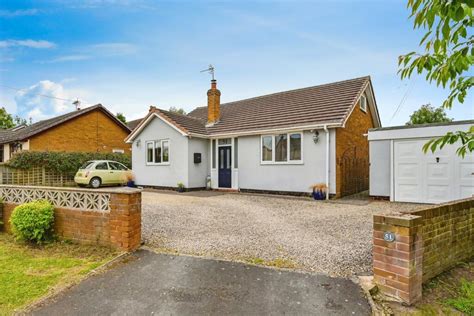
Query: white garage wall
[419,177]
[379,180]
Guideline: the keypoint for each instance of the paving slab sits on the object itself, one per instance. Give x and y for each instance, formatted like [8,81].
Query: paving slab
[151,283]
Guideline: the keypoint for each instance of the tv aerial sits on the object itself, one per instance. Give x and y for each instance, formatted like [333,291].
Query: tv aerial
[210,70]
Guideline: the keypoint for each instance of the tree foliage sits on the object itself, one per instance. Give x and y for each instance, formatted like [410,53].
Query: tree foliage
[428,114]
[448,53]
[61,162]
[466,139]
[6,120]
[177,110]
[121,118]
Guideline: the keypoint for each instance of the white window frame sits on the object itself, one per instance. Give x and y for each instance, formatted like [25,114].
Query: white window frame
[363,108]
[288,161]
[153,142]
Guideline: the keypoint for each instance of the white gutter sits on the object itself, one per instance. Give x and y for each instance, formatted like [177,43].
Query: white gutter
[265,131]
[327,161]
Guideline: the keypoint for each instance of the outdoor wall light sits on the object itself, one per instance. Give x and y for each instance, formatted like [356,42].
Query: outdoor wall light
[316,137]
[138,143]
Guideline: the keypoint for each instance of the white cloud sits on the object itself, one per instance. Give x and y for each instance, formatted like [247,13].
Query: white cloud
[15,13]
[42,100]
[114,49]
[27,43]
[69,58]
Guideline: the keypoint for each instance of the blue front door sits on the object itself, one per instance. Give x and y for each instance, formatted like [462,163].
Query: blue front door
[225,167]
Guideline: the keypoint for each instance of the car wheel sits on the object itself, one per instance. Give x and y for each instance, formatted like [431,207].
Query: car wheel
[95,182]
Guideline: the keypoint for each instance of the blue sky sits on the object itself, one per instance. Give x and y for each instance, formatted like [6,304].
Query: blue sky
[129,55]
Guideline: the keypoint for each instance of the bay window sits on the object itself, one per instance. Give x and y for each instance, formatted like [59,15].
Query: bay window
[282,148]
[157,152]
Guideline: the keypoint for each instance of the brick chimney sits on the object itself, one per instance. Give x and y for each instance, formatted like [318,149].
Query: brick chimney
[213,103]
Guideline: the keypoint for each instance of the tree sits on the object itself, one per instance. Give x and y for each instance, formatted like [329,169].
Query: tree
[121,118]
[177,110]
[6,120]
[428,114]
[448,56]
[21,121]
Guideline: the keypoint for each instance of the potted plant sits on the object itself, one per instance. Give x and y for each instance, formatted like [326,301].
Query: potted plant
[181,187]
[130,180]
[319,191]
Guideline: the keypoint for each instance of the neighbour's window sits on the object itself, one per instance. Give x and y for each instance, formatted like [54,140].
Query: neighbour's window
[282,148]
[295,146]
[149,152]
[101,166]
[166,151]
[158,152]
[267,148]
[363,103]
[1,153]
[118,151]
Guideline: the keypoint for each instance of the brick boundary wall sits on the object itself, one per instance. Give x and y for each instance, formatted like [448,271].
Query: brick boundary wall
[118,227]
[427,242]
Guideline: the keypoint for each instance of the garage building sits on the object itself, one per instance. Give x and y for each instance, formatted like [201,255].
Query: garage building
[400,170]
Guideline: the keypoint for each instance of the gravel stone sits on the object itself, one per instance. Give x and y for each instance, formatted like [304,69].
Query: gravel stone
[322,237]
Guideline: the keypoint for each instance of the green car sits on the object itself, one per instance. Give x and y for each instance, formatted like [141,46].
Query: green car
[97,173]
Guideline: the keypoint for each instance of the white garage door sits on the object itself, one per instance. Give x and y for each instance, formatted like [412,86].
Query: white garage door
[432,177]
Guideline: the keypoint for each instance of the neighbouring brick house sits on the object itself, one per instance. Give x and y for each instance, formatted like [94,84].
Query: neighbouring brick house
[285,141]
[93,129]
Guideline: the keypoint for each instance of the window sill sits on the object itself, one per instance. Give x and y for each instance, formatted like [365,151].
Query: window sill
[158,164]
[265,163]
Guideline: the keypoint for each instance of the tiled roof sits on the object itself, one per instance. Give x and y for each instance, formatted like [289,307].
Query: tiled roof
[132,124]
[8,136]
[324,104]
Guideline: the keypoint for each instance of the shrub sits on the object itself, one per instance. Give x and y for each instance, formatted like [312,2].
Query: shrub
[33,221]
[61,162]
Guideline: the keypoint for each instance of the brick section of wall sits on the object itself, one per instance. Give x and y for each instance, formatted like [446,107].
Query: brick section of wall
[352,135]
[125,221]
[428,242]
[91,132]
[120,228]
[398,264]
[448,236]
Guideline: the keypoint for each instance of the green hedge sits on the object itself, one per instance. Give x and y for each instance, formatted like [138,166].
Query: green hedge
[62,162]
[33,221]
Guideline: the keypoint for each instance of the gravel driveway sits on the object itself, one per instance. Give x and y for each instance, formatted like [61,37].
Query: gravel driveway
[332,238]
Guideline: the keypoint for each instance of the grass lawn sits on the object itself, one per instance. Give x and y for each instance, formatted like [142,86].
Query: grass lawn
[29,272]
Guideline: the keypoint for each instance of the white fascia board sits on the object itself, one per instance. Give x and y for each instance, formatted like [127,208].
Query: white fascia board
[268,131]
[132,136]
[416,132]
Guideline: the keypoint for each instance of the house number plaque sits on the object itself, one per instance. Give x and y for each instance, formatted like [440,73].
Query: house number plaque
[389,236]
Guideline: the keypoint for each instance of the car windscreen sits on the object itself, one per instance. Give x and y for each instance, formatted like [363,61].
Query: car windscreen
[87,165]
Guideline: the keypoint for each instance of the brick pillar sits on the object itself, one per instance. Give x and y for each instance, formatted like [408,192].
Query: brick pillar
[398,264]
[125,220]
